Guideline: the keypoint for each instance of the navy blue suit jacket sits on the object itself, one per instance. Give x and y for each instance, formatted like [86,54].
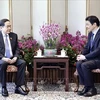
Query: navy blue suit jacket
[14,45]
[95,54]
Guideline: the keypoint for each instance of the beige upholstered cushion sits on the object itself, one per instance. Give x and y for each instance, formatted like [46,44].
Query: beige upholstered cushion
[11,68]
[96,70]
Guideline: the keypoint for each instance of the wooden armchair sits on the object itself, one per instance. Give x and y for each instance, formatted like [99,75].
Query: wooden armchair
[13,69]
[77,78]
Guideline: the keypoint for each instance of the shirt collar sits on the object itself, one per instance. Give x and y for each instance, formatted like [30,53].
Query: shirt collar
[4,34]
[95,31]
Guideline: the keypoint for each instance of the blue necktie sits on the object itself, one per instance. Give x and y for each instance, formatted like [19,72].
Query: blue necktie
[7,48]
[91,42]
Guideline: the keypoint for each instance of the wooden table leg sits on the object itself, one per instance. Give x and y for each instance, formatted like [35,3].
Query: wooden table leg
[66,77]
[35,77]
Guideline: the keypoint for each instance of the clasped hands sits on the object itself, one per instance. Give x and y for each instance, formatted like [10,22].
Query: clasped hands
[10,61]
[80,57]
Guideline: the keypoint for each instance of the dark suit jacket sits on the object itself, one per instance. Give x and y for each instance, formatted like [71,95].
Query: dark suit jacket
[14,45]
[95,54]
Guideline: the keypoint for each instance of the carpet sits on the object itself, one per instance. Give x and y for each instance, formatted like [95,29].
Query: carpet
[48,91]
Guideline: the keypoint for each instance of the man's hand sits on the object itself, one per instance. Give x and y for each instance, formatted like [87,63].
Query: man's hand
[13,60]
[8,60]
[81,57]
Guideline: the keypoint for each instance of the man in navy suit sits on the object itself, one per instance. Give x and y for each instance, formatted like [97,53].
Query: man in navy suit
[9,53]
[90,57]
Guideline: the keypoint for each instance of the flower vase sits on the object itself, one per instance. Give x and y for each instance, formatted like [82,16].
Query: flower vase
[50,52]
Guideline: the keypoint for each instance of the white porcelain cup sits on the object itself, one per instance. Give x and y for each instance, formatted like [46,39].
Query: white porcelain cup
[39,52]
[63,52]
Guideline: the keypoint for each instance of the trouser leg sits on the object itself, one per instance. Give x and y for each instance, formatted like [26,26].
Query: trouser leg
[87,68]
[80,72]
[3,67]
[84,69]
[20,80]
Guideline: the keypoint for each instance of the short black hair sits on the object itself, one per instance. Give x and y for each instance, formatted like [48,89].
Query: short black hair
[93,19]
[2,22]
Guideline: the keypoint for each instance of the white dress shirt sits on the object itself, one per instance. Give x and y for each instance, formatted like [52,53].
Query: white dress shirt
[4,37]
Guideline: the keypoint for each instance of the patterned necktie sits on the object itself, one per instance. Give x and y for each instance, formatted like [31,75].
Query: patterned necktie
[7,48]
[91,42]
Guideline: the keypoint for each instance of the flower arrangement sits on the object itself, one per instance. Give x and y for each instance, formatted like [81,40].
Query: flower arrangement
[73,45]
[50,33]
[29,46]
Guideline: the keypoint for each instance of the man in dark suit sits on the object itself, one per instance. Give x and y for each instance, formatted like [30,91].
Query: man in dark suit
[9,53]
[90,57]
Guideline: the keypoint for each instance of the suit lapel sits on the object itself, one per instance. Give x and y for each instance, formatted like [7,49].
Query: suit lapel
[1,39]
[96,37]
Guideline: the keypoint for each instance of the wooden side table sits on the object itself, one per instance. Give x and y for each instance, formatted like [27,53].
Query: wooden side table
[51,60]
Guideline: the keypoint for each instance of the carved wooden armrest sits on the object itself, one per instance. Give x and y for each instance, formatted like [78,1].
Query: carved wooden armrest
[26,71]
[76,73]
